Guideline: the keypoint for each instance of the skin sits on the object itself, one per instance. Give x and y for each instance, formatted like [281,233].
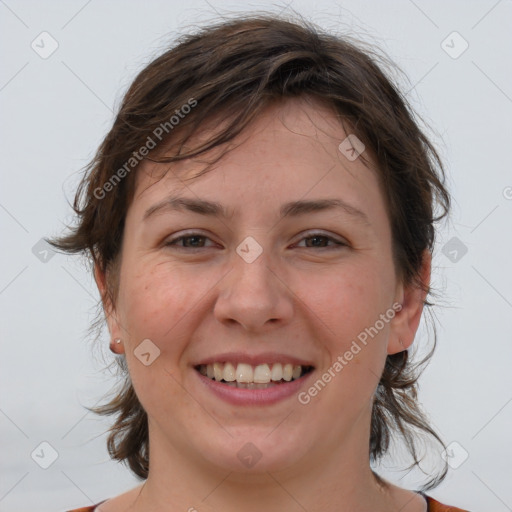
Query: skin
[296,298]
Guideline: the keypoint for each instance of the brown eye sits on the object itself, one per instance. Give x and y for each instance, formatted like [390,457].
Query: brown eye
[321,241]
[313,240]
[189,241]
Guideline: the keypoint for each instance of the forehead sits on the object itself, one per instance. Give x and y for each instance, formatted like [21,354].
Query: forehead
[290,151]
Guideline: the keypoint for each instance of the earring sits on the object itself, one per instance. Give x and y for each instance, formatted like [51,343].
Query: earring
[114,344]
[404,349]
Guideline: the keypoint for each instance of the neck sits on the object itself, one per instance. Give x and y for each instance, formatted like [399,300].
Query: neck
[333,479]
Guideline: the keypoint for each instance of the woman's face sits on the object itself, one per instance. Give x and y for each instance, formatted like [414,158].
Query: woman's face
[261,286]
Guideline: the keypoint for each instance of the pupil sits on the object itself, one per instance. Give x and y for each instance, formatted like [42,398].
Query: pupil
[189,238]
[316,238]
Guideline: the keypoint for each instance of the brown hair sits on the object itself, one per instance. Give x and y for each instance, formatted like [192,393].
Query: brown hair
[236,68]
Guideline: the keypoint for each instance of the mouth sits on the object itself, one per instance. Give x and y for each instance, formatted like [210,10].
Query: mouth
[246,376]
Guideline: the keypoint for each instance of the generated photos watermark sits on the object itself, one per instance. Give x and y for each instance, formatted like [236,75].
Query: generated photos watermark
[304,397]
[159,133]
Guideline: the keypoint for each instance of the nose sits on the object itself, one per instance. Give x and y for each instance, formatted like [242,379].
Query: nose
[254,295]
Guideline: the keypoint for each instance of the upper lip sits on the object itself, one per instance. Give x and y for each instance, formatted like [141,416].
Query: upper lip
[253,359]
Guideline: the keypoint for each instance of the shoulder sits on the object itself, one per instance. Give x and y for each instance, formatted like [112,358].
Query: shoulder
[436,506]
[433,506]
[92,508]
[119,503]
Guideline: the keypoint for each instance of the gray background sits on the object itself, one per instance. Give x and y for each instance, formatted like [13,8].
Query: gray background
[55,112]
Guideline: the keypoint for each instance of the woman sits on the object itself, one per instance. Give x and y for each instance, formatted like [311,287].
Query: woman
[261,221]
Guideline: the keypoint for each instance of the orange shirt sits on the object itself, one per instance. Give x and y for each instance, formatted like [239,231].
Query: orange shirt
[433,506]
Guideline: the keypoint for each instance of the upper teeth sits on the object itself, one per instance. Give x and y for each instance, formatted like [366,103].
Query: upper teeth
[242,372]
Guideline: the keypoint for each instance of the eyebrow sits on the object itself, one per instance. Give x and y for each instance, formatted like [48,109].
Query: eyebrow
[291,209]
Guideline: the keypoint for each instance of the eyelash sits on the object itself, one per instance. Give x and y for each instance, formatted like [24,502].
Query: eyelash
[172,242]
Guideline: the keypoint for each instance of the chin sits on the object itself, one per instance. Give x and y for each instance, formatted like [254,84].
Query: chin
[251,453]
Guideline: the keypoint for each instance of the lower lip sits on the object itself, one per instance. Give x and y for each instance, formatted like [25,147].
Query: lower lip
[241,396]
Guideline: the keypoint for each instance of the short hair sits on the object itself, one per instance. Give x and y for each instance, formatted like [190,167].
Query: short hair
[235,69]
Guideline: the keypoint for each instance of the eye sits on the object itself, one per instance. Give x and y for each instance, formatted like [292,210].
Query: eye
[195,240]
[191,241]
[318,239]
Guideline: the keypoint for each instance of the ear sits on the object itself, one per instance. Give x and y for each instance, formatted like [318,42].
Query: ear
[113,324]
[406,321]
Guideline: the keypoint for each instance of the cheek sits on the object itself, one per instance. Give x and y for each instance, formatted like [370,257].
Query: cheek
[155,304]
[346,306]
[154,301]
[347,302]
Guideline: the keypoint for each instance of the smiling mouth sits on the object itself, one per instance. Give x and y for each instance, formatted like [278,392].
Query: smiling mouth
[246,376]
